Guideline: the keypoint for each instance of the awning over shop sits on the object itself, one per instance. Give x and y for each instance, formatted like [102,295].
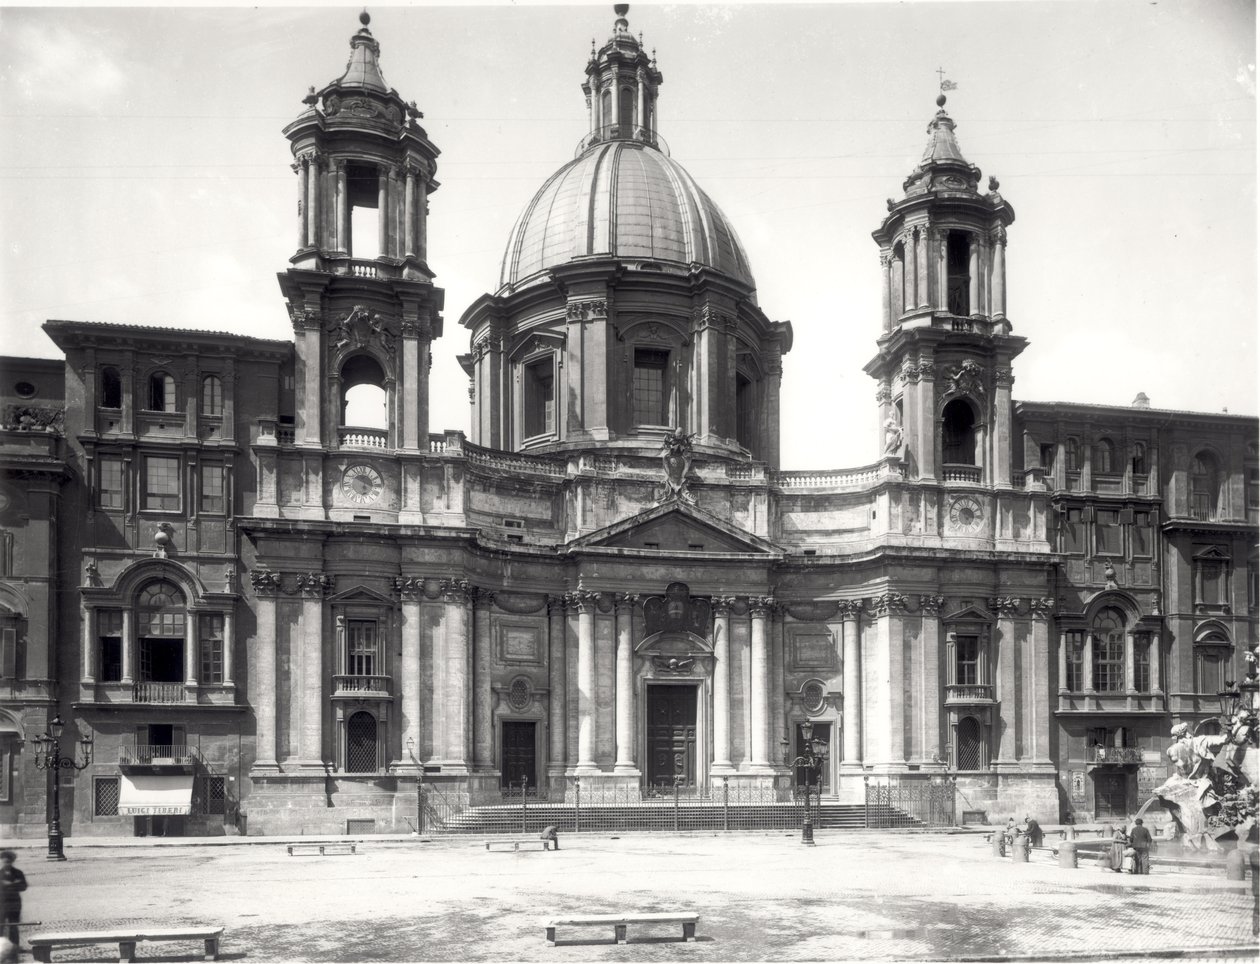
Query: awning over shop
[147,795]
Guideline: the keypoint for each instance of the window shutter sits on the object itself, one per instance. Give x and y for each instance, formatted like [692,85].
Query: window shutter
[8,652]
[1126,516]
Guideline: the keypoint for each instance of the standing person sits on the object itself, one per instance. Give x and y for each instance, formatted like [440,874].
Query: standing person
[1032,830]
[1118,843]
[12,883]
[1140,840]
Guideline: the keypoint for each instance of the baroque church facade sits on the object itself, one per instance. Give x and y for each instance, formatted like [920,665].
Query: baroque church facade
[276,601]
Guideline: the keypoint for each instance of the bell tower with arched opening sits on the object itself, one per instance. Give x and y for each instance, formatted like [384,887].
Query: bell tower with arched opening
[360,292]
[946,348]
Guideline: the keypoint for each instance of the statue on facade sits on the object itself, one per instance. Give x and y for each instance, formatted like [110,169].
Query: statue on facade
[676,457]
[892,436]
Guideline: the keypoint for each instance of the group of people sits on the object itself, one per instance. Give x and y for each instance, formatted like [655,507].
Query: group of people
[1030,828]
[1130,851]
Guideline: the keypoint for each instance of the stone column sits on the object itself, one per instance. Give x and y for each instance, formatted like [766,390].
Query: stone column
[342,213]
[1087,662]
[850,613]
[722,685]
[885,746]
[625,684]
[310,738]
[190,656]
[616,104]
[422,219]
[1007,695]
[312,201]
[303,201]
[885,267]
[1003,379]
[556,682]
[129,645]
[641,118]
[263,681]
[759,609]
[973,273]
[912,269]
[409,688]
[88,615]
[229,644]
[409,231]
[923,295]
[1063,661]
[1128,662]
[584,601]
[455,700]
[483,712]
[1036,678]
[1156,685]
[382,211]
[930,641]
[999,273]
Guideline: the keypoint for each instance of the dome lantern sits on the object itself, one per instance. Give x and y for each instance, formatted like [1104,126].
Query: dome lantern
[621,88]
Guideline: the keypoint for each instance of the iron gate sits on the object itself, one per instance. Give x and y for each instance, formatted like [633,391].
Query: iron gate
[917,803]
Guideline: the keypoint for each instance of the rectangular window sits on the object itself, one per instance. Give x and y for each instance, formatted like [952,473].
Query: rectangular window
[1211,582]
[540,398]
[1253,582]
[7,743]
[1047,458]
[649,386]
[111,489]
[1253,494]
[161,482]
[361,647]
[210,637]
[109,632]
[1211,666]
[105,796]
[1072,455]
[212,498]
[8,649]
[1142,534]
[1107,533]
[1142,662]
[1075,642]
[1073,531]
[1109,662]
[967,660]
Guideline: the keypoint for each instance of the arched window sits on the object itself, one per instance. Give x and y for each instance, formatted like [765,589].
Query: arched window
[161,392]
[627,111]
[361,743]
[958,434]
[605,110]
[1104,457]
[744,411]
[212,395]
[970,752]
[1204,486]
[1139,458]
[958,271]
[1108,633]
[111,388]
[161,615]
[363,399]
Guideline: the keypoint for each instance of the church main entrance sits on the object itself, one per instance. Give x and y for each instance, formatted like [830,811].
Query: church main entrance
[671,735]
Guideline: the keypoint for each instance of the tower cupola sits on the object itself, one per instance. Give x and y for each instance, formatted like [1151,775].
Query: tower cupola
[621,87]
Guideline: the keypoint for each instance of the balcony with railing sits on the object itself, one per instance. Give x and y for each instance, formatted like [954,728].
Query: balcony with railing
[174,758]
[955,472]
[148,692]
[1116,755]
[361,437]
[958,694]
[349,686]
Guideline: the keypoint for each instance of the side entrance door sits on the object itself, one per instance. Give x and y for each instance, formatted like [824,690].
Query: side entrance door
[671,735]
[1110,788]
[519,757]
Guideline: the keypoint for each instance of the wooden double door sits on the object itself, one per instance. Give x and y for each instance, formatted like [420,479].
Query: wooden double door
[671,735]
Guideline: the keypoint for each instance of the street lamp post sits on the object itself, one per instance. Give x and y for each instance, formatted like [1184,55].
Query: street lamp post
[811,760]
[48,757]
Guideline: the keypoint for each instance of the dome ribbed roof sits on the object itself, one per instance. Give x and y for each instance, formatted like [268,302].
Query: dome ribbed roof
[627,200]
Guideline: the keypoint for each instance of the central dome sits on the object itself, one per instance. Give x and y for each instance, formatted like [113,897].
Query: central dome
[622,199]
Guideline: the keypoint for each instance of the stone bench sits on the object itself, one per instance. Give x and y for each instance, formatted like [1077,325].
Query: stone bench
[519,843]
[42,946]
[619,923]
[320,849]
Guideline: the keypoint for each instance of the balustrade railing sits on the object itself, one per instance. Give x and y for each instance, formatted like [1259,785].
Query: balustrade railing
[843,478]
[359,685]
[1117,754]
[364,438]
[360,268]
[157,755]
[968,693]
[157,692]
[961,473]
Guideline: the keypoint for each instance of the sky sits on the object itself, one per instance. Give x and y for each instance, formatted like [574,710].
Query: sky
[144,178]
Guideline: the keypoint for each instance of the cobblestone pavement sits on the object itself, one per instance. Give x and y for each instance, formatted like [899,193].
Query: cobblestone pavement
[856,896]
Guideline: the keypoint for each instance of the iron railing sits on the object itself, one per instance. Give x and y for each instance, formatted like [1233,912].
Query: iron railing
[923,803]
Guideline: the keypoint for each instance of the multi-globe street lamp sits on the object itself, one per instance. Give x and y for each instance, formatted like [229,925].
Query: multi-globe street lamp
[48,757]
[811,760]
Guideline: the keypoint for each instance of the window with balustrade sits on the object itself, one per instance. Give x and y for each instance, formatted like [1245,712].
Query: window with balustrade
[1204,486]
[967,660]
[364,401]
[361,647]
[161,618]
[1107,632]
[958,433]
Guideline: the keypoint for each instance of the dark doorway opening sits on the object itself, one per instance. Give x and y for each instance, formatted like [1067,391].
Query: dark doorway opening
[520,758]
[671,735]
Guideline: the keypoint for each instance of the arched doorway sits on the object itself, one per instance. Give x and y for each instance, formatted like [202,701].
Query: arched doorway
[361,746]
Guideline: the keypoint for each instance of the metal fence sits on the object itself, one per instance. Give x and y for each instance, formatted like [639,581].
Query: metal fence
[917,803]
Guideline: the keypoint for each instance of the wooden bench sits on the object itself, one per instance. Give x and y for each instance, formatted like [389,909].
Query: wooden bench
[519,843]
[320,849]
[619,923]
[42,946]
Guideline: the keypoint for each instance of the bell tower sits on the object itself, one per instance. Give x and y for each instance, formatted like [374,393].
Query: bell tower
[360,292]
[945,352]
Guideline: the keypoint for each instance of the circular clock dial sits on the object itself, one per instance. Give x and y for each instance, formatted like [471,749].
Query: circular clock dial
[361,484]
[966,514]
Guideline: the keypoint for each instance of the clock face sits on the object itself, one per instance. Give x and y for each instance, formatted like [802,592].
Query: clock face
[966,514]
[361,484]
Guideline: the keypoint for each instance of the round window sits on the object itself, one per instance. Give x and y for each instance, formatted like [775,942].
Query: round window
[518,695]
[813,696]
[24,390]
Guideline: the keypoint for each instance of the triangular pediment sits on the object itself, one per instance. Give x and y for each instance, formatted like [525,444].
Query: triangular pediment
[676,527]
[360,594]
[971,613]
[1213,553]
